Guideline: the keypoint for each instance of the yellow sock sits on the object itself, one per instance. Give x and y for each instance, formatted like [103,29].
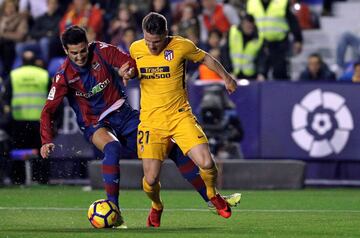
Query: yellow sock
[209,176]
[153,192]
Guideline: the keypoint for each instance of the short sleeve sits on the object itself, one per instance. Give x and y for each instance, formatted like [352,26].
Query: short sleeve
[192,52]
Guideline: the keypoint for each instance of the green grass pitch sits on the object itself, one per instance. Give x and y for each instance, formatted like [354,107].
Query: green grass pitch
[60,211]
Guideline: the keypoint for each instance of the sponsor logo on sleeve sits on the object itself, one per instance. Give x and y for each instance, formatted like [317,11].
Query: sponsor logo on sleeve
[52,92]
[57,78]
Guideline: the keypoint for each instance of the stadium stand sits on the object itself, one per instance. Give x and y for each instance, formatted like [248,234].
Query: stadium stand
[324,40]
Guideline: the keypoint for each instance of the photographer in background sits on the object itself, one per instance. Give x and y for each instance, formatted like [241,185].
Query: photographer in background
[221,123]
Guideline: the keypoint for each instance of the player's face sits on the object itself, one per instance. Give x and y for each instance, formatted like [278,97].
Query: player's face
[78,53]
[155,43]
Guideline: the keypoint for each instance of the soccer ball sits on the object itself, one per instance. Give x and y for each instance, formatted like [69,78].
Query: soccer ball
[103,213]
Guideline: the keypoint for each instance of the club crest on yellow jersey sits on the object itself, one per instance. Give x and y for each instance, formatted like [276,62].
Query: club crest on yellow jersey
[168,55]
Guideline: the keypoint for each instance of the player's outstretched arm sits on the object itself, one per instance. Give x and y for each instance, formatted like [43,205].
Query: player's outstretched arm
[46,150]
[214,64]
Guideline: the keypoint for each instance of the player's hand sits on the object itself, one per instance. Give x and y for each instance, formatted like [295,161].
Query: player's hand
[126,72]
[46,150]
[231,85]
[131,74]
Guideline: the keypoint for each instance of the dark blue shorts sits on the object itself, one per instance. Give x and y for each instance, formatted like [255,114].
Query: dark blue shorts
[123,123]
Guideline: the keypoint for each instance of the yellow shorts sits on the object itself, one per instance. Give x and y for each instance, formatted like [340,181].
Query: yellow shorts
[154,142]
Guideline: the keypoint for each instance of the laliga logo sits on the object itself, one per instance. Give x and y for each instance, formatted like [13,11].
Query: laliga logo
[321,123]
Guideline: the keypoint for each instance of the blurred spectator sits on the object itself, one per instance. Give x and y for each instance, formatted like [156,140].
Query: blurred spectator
[213,47]
[348,73]
[327,9]
[32,9]
[179,9]
[162,7]
[192,67]
[317,70]
[356,74]
[13,28]
[243,52]
[239,5]
[4,131]
[213,40]
[348,40]
[188,20]
[138,8]
[307,19]
[84,14]
[275,21]
[27,90]
[207,74]
[64,5]
[216,16]
[44,34]
[122,21]
[108,7]
[128,37]
[137,5]
[315,6]
[219,119]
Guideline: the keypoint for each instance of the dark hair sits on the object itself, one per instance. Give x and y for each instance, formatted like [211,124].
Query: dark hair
[28,57]
[316,55]
[154,23]
[248,17]
[73,35]
[216,32]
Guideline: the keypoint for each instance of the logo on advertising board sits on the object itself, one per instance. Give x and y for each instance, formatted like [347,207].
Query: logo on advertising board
[321,123]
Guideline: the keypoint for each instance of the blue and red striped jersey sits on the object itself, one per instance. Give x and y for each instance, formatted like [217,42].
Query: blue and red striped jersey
[93,91]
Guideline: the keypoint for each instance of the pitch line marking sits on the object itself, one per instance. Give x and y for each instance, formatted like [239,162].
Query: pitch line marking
[187,210]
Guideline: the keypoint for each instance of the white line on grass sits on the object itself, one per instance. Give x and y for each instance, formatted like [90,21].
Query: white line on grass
[188,210]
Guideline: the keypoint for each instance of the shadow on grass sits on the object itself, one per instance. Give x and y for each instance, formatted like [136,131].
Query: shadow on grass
[129,230]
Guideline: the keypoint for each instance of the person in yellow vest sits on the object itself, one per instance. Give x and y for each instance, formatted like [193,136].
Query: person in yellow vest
[275,21]
[243,53]
[28,89]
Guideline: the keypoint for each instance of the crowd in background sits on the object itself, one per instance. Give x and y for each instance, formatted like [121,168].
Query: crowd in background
[36,25]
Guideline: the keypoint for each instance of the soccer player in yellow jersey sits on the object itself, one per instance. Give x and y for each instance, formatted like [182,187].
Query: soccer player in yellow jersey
[165,111]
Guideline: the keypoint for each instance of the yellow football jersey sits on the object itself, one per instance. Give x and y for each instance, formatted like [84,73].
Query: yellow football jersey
[162,77]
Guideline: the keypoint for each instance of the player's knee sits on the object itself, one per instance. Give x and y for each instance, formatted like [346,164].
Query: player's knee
[150,180]
[112,152]
[206,163]
[202,157]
